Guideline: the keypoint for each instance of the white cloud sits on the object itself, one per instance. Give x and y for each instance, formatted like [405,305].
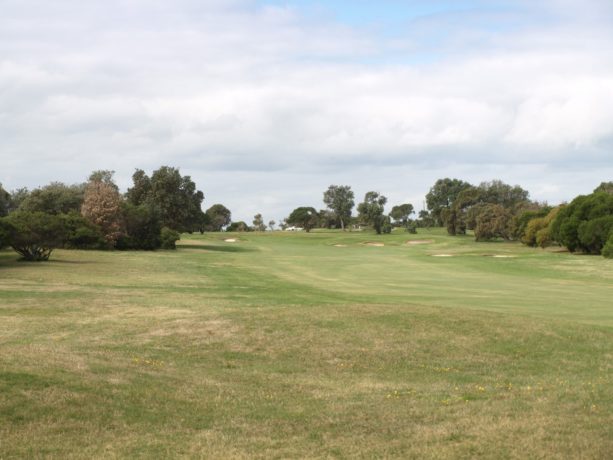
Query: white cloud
[247,98]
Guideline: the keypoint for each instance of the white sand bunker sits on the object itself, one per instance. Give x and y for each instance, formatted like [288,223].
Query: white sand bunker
[414,242]
[442,255]
[500,256]
[340,245]
[230,240]
[370,243]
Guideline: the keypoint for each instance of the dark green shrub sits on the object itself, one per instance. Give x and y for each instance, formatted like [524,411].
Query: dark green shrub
[169,238]
[82,234]
[142,227]
[607,251]
[34,235]
[593,234]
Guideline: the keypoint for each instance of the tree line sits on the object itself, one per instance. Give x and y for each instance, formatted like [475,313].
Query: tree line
[157,208]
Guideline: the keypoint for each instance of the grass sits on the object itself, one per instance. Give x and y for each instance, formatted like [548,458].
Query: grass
[294,345]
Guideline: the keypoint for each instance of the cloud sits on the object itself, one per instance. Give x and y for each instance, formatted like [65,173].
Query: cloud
[248,97]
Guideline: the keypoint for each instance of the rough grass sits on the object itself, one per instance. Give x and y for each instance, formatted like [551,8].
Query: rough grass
[295,345]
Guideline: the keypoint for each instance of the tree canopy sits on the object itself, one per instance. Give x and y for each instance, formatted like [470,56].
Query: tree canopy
[339,198]
[305,217]
[371,210]
[217,217]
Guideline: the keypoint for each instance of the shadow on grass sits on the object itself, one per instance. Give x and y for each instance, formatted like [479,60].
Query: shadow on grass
[211,247]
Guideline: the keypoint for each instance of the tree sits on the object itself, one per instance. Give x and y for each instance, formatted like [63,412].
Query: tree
[401,214]
[305,217]
[538,229]
[258,223]
[271,225]
[174,195]
[102,206]
[55,198]
[492,221]
[143,227]
[606,187]
[239,226]
[81,233]
[339,198]
[371,210]
[218,217]
[5,201]
[582,225]
[17,197]
[34,235]
[442,196]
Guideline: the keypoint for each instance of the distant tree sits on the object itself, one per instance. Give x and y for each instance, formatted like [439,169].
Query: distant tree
[55,198]
[5,233]
[425,219]
[492,221]
[442,196]
[258,223]
[402,214]
[271,225]
[538,229]
[102,206]
[328,219]
[174,195]
[584,224]
[606,187]
[371,210]
[607,250]
[218,217]
[169,238]
[17,197]
[239,226]
[304,217]
[34,235]
[5,201]
[81,233]
[339,198]
[143,227]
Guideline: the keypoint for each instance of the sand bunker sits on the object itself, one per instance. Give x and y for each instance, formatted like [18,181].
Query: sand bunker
[340,245]
[230,240]
[414,242]
[368,243]
[442,255]
[500,256]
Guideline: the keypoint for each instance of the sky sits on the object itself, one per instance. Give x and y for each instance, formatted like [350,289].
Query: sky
[265,103]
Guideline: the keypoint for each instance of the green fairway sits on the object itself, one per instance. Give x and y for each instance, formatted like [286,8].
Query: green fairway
[326,344]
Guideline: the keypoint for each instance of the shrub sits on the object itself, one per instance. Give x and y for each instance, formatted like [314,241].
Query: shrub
[593,234]
[169,238]
[142,227]
[80,233]
[607,251]
[34,235]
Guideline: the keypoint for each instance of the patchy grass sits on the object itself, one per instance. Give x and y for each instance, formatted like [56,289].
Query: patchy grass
[283,345]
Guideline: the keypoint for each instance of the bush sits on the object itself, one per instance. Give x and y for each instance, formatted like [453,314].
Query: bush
[593,234]
[143,228]
[169,238]
[80,233]
[34,235]
[607,251]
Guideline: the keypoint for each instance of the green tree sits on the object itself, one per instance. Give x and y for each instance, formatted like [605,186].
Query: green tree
[218,217]
[371,210]
[305,217]
[573,226]
[340,199]
[239,226]
[441,197]
[55,198]
[143,227]
[606,187]
[402,214]
[258,223]
[271,225]
[176,197]
[5,201]
[34,235]
[492,221]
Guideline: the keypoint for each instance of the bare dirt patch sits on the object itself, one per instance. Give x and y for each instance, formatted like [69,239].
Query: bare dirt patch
[416,242]
[371,243]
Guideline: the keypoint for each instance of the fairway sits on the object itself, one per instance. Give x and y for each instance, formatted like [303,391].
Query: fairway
[320,345]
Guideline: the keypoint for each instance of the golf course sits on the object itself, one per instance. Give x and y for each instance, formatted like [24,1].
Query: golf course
[325,344]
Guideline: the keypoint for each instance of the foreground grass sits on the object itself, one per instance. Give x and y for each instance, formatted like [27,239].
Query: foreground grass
[308,346]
